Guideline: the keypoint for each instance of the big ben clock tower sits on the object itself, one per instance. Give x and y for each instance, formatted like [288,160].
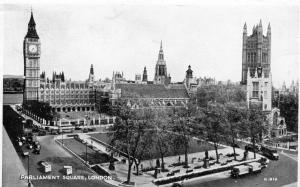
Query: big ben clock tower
[31,52]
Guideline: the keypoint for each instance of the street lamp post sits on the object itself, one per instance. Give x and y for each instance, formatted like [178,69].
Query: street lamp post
[23,122]
[86,152]
[62,136]
[29,184]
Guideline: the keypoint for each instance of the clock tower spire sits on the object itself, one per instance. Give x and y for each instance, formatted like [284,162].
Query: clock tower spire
[31,53]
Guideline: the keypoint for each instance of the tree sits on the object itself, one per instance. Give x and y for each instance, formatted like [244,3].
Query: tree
[234,118]
[128,130]
[41,109]
[288,105]
[183,124]
[144,149]
[253,126]
[214,122]
[162,137]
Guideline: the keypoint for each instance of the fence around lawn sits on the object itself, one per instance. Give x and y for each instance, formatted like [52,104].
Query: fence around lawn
[93,157]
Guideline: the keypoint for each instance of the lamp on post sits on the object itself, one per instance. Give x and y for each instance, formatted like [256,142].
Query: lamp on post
[86,152]
[28,181]
[23,122]
[62,136]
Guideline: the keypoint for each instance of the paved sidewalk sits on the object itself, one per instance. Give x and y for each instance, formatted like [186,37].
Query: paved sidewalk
[12,166]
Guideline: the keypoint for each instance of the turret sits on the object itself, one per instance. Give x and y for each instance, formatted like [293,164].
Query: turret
[145,76]
[92,70]
[269,30]
[245,29]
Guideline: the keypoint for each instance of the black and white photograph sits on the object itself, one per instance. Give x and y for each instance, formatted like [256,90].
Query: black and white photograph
[146,94]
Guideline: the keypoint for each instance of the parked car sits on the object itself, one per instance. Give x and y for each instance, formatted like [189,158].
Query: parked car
[249,147]
[85,130]
[91,129]
[42,133]
[264,162]
[54,131]
[36,147]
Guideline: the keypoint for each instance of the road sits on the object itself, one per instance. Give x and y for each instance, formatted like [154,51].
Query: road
[278,173]
[58,157]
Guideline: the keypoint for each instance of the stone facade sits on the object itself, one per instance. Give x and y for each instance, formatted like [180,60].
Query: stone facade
[256,51]
[259,90]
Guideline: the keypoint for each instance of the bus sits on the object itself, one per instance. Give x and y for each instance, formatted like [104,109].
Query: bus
[269,152]
[65,126]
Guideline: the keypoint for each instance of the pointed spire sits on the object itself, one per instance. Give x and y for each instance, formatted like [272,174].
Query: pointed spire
[161,52]
[269,29]
[245,28]
[31,32]
[31,21]
[260,24]
[161,45]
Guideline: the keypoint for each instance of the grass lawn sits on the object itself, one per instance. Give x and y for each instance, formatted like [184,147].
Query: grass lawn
[195,146]
[80,149]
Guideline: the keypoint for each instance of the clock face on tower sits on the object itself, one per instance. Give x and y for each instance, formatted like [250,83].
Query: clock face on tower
[32,48]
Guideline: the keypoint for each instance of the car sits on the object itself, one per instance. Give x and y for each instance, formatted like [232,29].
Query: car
[91,129]
[42,133]
[54,131]
[235,145]
[249,147]
[264,162]
[85,130]
[77,127]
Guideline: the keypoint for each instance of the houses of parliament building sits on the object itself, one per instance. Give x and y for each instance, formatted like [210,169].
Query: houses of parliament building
[64,95]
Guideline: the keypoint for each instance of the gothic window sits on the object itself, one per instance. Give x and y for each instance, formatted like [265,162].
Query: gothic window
[161,70]
[255,89]
[264,58]
[248,57]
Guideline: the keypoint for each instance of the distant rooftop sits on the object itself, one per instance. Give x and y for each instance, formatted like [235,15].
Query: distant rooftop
[13,77]
[152,91]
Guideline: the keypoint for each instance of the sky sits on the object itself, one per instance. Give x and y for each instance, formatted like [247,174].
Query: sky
[126,38]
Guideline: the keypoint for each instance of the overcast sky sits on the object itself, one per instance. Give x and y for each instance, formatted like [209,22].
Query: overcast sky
[127,38]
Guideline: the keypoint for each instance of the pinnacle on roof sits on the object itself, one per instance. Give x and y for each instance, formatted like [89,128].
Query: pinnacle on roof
[92,70]
[161,52]
[260,24]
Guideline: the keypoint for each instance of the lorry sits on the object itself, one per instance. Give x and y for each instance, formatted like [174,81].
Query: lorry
[255,167]
[240,170]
